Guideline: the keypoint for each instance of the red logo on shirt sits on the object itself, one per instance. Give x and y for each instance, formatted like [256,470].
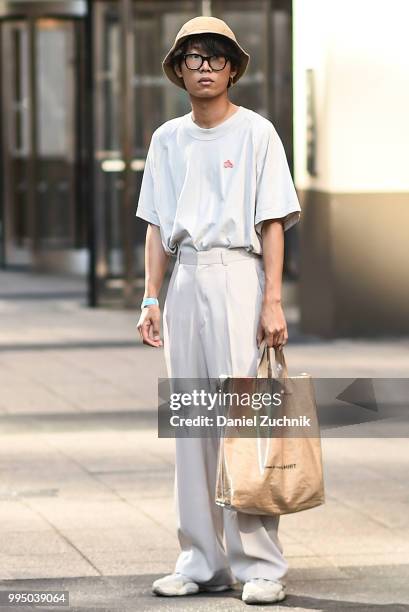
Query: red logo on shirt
[228,164]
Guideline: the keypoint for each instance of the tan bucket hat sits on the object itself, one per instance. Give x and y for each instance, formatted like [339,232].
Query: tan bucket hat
[201,25]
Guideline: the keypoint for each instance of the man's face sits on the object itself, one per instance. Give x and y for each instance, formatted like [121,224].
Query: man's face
[217,80]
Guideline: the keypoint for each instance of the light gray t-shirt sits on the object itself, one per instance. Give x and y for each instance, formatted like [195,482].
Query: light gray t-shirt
[214,187]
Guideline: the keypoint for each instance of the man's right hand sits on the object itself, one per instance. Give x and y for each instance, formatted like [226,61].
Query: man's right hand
[149,326]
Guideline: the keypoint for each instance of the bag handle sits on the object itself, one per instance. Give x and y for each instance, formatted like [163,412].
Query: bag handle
[265,369]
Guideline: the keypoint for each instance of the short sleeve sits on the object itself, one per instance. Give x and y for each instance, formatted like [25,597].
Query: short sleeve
[276,197]
[147,205]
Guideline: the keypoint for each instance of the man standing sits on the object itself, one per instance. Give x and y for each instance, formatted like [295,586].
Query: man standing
[217,193]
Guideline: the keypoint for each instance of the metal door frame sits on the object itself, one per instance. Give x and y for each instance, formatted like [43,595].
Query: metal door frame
[72,10]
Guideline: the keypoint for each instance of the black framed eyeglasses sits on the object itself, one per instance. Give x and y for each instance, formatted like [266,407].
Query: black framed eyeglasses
[194,61]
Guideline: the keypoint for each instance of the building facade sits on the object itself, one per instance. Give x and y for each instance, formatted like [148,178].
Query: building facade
[351,135]
[82,90]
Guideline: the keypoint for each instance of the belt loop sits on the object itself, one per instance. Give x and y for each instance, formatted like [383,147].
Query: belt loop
[224,257]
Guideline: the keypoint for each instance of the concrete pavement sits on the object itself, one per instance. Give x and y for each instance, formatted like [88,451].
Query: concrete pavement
[86,486]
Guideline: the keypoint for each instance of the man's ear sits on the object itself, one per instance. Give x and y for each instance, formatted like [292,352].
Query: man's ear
[177,70]
[233,72]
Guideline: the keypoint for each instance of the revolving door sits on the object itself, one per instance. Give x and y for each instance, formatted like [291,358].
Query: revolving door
[42,91]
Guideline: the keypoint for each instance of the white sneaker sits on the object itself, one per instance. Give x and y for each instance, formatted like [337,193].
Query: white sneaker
[179,584]
[174,584]
[260,590]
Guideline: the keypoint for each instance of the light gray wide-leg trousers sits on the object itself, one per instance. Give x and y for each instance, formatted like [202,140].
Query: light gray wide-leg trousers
[210,320]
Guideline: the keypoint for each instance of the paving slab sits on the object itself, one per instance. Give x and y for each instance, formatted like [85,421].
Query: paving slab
[86,486]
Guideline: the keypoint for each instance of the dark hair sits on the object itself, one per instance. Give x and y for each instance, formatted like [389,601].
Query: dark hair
[212,44]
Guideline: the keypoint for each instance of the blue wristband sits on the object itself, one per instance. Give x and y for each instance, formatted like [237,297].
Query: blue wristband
[149,302]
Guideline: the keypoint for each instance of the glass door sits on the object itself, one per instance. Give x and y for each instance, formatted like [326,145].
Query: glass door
[44,218]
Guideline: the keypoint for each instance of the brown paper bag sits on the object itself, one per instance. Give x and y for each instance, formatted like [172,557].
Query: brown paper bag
[271,475]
